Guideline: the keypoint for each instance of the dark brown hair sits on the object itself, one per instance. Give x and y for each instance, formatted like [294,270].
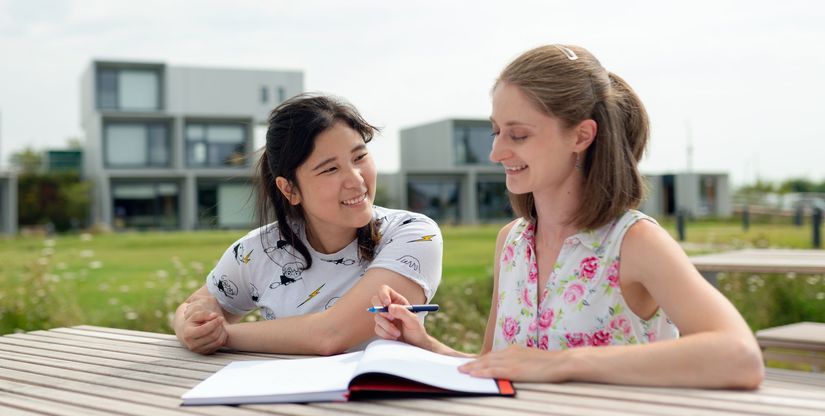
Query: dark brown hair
[569,83]
[290,139]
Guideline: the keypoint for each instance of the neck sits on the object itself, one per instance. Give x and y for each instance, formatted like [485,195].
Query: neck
[329,239]
[555,208]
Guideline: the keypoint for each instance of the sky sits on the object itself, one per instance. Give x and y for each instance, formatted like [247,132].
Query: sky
[740,82]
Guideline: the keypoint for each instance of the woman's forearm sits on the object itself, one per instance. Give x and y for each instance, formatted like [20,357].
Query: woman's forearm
[709,360]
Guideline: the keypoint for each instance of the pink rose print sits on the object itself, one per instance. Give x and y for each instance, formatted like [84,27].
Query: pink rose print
[651,336]
[533,326]
[544,343]
[508,253]
[573,292]
[533,274]
[546,319]
[601,337]
[531,342]
[509,329]
[613,274]
[530,232]
[588,267]
[578,339]
[525,296]
[620,323]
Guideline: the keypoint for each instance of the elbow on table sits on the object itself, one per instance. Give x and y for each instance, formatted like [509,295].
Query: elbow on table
[749,370]
[330,344]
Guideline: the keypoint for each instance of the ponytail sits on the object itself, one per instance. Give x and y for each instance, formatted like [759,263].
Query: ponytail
[271,200]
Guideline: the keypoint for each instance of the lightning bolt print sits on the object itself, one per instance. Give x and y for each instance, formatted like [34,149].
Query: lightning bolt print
[423,238]
[312,295]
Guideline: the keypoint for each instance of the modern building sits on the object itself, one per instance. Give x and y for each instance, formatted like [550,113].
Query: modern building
[445,173]
[172,147]
[695,194]
[8,203]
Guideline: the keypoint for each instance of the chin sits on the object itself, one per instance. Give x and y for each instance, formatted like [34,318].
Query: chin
[362,218]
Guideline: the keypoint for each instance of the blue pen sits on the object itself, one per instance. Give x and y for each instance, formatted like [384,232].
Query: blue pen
[411,308]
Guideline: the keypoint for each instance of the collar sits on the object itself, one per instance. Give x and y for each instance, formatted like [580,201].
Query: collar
[591,239]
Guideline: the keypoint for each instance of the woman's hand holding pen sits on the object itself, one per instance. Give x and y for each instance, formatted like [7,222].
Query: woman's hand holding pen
[399,323]
[204,327]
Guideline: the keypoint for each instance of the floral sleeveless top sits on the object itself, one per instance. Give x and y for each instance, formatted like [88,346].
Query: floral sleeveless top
[582,305]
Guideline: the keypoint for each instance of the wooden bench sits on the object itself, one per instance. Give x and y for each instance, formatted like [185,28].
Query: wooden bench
[799,343]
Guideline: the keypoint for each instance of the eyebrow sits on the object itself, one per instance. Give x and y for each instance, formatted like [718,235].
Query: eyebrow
[514,123]
[358,148]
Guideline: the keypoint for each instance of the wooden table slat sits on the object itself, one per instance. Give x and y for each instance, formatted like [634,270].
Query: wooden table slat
[146,365]
[93,401]
[664,396]
[46,407]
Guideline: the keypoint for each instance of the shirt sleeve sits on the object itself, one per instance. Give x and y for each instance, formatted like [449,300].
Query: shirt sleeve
[413,250]
[229,281]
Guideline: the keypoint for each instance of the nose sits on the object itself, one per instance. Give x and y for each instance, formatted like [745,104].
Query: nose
[499,150]
[354,179]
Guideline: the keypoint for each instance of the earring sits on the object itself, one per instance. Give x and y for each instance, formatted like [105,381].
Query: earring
[578,164]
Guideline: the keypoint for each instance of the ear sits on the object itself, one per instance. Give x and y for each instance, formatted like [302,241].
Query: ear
[289,190]
[585,133]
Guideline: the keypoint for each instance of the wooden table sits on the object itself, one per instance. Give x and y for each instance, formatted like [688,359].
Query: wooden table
[758,260]
[89,370]
[802,342]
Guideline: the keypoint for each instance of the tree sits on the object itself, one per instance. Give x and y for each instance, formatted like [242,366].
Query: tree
[797,185]
[27,160]
[60,199]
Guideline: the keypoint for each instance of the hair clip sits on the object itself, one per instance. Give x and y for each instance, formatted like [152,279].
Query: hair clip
[567,52]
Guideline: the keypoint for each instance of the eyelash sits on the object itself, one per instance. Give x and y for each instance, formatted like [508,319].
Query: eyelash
[357,159]
[513,138]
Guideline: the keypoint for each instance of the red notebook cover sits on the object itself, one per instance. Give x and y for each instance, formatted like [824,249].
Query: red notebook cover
[377,386]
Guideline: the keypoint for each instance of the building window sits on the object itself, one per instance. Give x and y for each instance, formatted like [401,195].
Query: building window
[224,205]
[281,95]
[145,205]
[472,144]
[493,203]
[264,94]
[136,145]
[438,199]
[216,144]
[128,89]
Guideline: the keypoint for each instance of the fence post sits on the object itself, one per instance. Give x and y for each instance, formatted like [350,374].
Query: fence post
[746,218]
[680,224]
[797,220]
[817,224]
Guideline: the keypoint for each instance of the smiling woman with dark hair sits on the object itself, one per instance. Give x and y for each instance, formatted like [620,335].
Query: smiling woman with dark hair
[312,271]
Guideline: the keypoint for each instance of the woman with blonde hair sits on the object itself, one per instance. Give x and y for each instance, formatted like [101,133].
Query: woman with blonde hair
[586,287]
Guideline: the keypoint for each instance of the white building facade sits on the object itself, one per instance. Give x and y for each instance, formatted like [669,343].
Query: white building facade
[445,173]
[172,147]
[8,203]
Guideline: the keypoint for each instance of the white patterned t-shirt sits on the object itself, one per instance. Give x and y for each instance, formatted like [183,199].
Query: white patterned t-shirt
[262,271]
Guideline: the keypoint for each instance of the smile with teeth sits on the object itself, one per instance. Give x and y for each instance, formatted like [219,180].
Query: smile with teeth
[355,200]
[514,169]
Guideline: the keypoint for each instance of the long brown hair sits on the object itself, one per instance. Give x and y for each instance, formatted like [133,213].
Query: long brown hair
[569,83]
[290,139]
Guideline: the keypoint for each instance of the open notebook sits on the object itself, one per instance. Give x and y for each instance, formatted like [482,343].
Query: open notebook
[385,369]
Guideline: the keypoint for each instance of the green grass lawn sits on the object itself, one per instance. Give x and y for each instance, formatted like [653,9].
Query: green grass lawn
[135,280]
